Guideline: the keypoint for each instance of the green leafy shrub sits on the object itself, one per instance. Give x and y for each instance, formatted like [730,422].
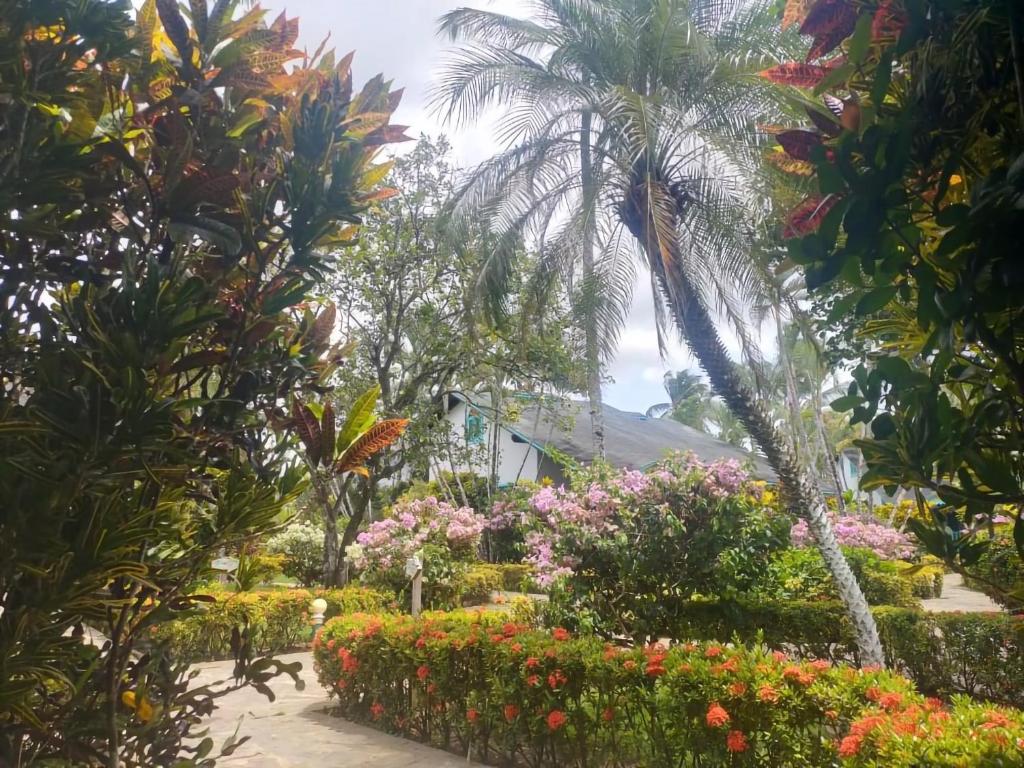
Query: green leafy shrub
[516,577]
[1000,569]
[478,583]
[302,546]
[271,621]
[503,692]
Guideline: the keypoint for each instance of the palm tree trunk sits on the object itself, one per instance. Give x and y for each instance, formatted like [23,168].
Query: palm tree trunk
[799,490]
[650,211]
[592,350]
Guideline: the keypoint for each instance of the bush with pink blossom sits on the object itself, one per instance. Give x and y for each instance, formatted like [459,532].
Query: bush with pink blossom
[446,538]
[621,550]
[852,531]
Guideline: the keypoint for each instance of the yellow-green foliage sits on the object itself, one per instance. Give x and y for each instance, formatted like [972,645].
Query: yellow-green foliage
[275,620]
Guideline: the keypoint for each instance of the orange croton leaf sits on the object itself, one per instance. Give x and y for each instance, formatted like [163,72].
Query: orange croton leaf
[807,216]
[795,12]
[798,143]
[374,440]
[770,128]
[788,164]
[795,73]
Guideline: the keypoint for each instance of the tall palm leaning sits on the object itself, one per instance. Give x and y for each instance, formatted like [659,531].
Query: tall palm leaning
[673,159]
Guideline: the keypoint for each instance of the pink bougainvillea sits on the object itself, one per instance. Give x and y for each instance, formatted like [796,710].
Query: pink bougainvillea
[852,531]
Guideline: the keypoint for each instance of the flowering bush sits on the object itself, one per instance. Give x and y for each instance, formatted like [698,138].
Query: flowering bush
[502,692]
[444,535]
[852,531]
[619,550]
[981,654]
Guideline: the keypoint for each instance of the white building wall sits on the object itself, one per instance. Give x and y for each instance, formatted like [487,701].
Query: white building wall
[516,461]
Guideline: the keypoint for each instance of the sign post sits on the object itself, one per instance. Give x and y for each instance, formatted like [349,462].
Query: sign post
[414,570]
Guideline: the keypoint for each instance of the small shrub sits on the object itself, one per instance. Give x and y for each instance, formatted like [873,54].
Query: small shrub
[302,547]
[500,692]
[479,583]
[275,621]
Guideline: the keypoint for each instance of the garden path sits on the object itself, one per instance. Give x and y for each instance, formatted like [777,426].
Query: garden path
[297,731]
[957,597]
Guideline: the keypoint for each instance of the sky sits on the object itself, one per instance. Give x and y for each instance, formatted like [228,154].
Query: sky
[398,38]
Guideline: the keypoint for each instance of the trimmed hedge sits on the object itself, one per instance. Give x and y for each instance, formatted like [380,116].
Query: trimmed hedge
[276,620]
[507,694]
[980,654]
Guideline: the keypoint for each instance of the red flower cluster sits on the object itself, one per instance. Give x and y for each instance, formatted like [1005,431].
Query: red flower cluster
[557,679]
[556,719]
[736,741]
[423,672]
[717,716]
[511,712]
[560,633]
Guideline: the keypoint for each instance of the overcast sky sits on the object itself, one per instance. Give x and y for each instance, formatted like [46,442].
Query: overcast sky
[398,38]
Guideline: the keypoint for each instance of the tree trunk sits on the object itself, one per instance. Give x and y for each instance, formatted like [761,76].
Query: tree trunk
[799,490]
[331,549]
[592,350]
[643,211]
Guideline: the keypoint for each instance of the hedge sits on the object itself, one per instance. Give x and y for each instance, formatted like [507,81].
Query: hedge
[276,620]
[507,694]
[980,654]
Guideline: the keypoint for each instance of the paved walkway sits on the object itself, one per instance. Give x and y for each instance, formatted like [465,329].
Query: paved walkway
[957,597]
[296,730]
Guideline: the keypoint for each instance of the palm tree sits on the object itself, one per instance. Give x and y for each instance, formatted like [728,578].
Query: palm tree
[689,400]
[670,120]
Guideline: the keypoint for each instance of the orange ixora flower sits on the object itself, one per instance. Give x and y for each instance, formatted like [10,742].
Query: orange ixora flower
[608,714]
[556,719]
[713,651]
[560,633]
[472,715]
[736,741]
[717,716]
[767,693]
[511,712]
[738,689]
[849,746]
[377,710]
[423,672]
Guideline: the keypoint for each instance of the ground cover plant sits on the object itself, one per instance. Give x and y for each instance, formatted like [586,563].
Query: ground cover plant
[500,691]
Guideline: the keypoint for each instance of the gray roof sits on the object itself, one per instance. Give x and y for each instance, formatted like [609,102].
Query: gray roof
[632,440]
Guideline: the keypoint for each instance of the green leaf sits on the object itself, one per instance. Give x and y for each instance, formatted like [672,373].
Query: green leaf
[217,233]
[861,40]
[360,418]
[846,403]
[875,300]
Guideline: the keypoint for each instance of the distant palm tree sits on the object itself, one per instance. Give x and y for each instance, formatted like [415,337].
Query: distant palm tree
[689,397]
[670,123]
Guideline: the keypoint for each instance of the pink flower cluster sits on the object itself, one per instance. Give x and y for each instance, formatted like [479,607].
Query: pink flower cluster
[852,531]
[388,543]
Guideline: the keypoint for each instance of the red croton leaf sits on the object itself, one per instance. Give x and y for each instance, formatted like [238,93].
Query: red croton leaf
[888,21]
[795,73]
[829,22]
[807,216]
[823,123]
[308,429]
[798,143]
